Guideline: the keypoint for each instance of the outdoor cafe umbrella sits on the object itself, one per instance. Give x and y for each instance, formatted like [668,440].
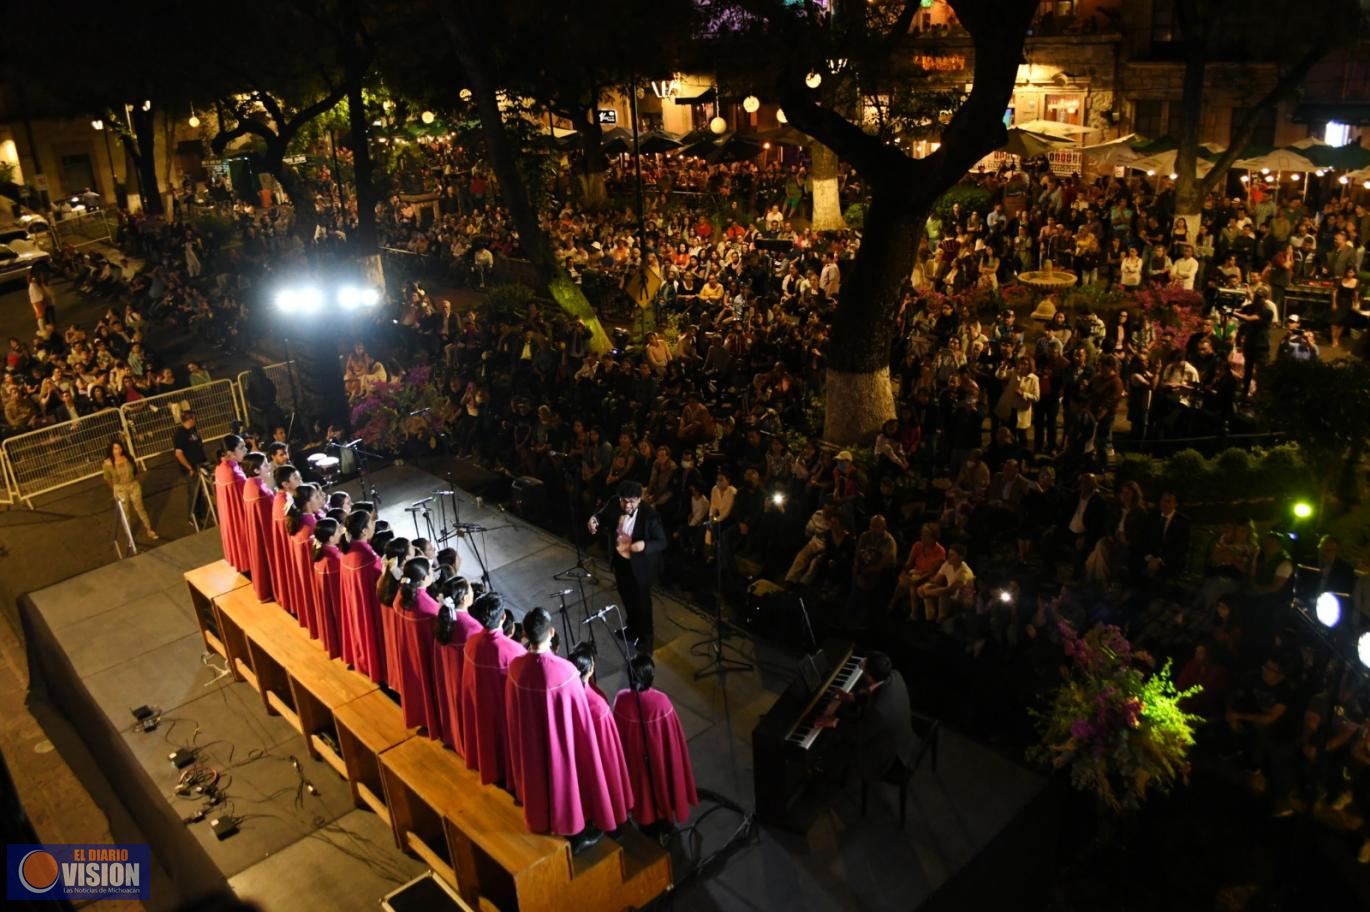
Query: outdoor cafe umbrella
[656,141]
[734,147]
[1114,152]
[783,136]
[1054,129]
[1277,160]
[1028,145]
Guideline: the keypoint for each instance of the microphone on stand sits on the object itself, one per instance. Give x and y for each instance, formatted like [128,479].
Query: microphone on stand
[561,593]
[600,614]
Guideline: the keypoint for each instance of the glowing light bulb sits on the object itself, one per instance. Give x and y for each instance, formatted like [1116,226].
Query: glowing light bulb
[751,104]
[427,117]
[813,80]
[194,121]
[780,116]
[718,125]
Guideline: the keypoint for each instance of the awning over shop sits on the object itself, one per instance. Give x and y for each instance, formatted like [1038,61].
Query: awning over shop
[708,96]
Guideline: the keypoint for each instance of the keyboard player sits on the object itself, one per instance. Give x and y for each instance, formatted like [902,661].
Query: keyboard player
[877,731]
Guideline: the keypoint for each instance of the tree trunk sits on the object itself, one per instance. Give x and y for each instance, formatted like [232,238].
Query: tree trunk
[301,200]
[365,240]
[593,192]
[514,193]
[145,157]
[856,404]
[827,202]
[1190,189]
[858,396]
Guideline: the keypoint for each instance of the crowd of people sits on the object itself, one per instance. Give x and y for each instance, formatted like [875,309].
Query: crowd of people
[467,674]
[62,374]
[999,456]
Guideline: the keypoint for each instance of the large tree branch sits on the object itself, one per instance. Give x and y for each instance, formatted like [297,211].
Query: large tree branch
[1283,88]
[311,111]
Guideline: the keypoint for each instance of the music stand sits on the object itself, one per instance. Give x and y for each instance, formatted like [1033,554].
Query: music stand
[720,664]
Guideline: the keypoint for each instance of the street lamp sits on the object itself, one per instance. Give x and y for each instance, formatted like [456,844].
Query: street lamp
[751,104]
[780,116]
[98,124]
[718,125]
[427,117]
[813,80]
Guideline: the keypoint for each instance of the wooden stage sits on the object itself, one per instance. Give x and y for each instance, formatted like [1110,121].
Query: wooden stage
[473,836]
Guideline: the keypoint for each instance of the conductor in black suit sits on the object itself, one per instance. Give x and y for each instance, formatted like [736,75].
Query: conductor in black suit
[637,539]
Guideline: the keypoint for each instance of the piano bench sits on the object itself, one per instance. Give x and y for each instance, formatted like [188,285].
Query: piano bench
[900,776]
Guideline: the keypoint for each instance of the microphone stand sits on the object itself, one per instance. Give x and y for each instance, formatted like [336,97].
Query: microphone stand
[578,573]
[623,646]
[720,664]
[369,491]
[565,618]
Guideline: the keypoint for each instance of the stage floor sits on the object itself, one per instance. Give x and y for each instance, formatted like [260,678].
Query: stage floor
[125,636]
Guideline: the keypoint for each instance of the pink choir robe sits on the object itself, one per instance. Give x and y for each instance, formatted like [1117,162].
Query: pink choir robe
[390,636]
[359,569]
[448,661]
[484,733]
[414,642]
[555,767]
[670,792]
[228,499]
[257,510]
[616,774]
[278,553]
[328,599]
[302,574]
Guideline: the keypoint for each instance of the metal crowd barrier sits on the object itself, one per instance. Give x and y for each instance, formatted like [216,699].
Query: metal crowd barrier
[61,454]
[152,422]
[7,489]
[53,457]
[279,374]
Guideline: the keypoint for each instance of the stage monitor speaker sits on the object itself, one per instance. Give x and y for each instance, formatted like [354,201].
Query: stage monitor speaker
[529,497]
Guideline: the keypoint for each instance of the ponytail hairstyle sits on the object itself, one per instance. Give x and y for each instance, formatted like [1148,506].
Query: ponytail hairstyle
[231,442]
[456,589]
[381,538]
[644,672]
[324,530]
[338,515]
[416,570]
[441,576]
[358,521]
[366,505]
[583,657]
[396,552]
[253,462]
[338,499]
[294,517]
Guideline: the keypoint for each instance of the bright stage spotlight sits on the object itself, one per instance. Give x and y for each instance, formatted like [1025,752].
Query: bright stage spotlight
[1363,649]
[1328,609]
[299,300]
[350,297]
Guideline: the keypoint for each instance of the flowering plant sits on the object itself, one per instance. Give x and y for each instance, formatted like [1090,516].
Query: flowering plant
[1118,730]
[412,405]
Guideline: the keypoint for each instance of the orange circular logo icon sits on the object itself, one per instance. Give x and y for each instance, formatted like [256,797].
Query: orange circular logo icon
[38,871]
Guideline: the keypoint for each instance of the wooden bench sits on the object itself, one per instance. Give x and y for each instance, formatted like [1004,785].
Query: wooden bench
[295,677]
[206,584]
[367,727]
[473,836]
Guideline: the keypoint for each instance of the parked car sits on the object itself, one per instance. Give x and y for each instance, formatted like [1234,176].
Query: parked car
[18,257]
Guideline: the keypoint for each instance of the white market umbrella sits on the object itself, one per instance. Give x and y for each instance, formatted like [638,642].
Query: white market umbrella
[1277,160]
[1055,129]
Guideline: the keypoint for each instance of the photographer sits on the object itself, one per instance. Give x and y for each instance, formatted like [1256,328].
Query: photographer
[1298,343]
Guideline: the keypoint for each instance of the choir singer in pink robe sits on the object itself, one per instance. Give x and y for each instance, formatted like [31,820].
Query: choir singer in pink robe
[287,479]
[455,626]
[606,732]
[658,754]
[484,734]
[327,594]
[228,498]
[257,510]
[415,617]
[555,767]
[299,526]
[358,571]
